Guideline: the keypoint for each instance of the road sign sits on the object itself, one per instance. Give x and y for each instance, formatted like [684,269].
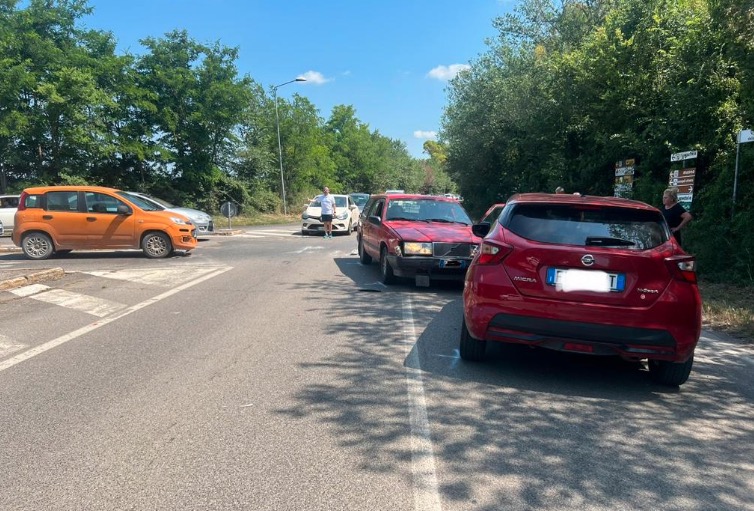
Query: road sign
[681,181]
[745,136]
[686,155]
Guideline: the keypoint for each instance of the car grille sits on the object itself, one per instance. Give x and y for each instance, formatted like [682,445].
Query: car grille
[453,249]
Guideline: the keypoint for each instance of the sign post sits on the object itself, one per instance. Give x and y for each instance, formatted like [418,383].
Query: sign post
[683,179]
[744,136]
[228,209]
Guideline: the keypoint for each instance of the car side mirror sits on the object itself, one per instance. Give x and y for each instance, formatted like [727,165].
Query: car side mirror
[124,210]
[481,230]
[374,219]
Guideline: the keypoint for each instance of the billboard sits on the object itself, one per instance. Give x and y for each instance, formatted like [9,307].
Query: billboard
[624,178]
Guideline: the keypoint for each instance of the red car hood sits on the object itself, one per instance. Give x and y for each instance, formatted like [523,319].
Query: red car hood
[433,231]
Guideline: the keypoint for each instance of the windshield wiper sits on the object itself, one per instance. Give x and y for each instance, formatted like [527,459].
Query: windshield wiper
[599,241]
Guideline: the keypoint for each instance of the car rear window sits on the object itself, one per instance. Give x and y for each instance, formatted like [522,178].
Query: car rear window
[587,225]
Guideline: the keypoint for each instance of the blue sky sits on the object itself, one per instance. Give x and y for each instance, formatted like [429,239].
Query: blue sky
[389,59]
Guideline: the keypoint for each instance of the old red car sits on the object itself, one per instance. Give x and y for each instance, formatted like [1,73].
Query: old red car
[424,237]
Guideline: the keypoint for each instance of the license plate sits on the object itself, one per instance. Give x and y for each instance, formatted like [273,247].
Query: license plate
[453,263]
[586,280]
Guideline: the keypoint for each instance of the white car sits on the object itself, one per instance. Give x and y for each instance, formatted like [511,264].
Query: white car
[203,221]
[8,206]
[346,220]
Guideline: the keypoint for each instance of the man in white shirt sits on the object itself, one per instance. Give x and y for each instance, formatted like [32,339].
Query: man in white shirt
[327,203]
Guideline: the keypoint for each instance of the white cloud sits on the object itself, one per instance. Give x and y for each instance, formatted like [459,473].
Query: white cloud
[315,77]
[446,73]
[427,135]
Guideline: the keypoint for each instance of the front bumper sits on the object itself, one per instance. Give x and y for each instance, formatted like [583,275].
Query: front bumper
[185,240]
[315,225]
[437,268]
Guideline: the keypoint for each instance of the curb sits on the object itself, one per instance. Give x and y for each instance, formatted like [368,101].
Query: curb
[228,232]
[32,278]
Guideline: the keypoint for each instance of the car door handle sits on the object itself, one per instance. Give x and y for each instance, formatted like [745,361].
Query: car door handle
[91,219]
[46,217]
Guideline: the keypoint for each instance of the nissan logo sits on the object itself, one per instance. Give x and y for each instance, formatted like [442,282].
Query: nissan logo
[587,260]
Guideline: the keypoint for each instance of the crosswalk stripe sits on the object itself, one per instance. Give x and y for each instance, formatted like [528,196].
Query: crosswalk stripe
[166,277]
[89,304]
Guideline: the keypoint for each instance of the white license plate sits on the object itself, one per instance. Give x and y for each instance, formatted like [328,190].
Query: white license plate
[586,280]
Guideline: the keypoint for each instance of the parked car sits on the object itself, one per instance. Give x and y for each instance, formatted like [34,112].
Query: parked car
[595,275]
[203,222]
[360,199]
[58,219]
[417,236]
[492,213]
[346,219]
[2,229]
[8,205]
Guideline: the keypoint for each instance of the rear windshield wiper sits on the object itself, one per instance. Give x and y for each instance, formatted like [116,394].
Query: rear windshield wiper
[599,241]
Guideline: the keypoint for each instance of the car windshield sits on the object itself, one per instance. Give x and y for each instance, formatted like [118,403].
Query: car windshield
[587,225]
[427,210]
[360,199]
[340,202]
[161,202]
[145,204]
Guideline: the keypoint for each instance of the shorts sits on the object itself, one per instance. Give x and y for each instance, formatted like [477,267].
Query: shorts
[327,218]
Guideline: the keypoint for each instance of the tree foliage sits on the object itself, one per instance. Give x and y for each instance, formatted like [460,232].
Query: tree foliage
[568,88]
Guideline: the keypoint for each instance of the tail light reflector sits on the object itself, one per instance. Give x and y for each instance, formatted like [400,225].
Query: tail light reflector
[22,201]
[682,267]
[493,253]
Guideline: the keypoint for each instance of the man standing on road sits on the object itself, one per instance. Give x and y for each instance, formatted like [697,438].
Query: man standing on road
[327,203]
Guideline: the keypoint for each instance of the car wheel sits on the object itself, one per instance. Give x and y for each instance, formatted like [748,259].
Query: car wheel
[156,245]
[471,349]
[670,373]
[388,277]
[364,258]
[37,245]
[304,232]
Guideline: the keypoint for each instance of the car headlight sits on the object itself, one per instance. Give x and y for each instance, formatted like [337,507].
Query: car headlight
[417,248]
[342,216]
[304,216]
[180,221]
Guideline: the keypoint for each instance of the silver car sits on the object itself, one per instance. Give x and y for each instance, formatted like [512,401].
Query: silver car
[8,206]
[203,221]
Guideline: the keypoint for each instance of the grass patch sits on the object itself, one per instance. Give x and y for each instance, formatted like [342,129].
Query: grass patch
[728,308]
[221,222]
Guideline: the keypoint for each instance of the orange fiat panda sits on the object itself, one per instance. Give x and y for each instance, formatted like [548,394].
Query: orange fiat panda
[58,219]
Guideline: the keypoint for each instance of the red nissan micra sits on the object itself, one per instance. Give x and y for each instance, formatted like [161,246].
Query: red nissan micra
[595,275]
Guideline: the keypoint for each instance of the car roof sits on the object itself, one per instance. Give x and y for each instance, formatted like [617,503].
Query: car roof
[407,196]
[69,188]
[592,200]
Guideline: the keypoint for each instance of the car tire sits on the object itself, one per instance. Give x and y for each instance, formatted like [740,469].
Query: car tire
[156,245]
[386,271]
[671,374]
[37,245]
[364,258]
[304,232]
[471,349]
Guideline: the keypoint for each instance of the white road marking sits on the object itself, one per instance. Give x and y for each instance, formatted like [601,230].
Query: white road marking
[7,346]
[29,290]
[306,249]
[38,350]
[426,489]
[165,277]
[89,304]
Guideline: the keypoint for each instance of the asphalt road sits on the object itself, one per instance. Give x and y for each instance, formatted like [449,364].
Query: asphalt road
[270,371]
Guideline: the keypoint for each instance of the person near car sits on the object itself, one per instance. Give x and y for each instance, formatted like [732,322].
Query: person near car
[675,214]
[327,203]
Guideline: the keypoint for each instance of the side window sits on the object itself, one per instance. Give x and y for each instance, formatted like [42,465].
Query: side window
[9,202]
[102,203]
[379,206]
[33,201]
[62,201]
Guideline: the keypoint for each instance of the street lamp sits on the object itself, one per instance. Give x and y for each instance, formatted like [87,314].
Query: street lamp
[743,137]
[280,146]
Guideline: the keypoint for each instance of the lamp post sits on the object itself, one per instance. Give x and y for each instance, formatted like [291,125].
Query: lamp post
[743,137]
[280,146]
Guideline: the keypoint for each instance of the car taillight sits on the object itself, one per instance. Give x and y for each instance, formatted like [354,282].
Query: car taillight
[22,201]
[492,253]
[682,267]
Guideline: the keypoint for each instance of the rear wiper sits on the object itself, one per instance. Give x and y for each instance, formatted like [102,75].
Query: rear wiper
[599,241]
